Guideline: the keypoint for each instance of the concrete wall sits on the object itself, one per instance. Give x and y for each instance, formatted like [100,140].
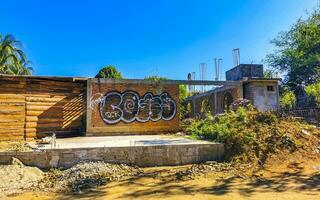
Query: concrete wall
[142,156]
[131,108]
[244,70]
[257,92]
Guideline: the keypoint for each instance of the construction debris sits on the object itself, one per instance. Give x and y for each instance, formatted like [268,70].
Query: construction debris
[86,175]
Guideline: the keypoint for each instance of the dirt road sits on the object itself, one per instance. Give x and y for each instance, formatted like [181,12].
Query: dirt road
[297,178]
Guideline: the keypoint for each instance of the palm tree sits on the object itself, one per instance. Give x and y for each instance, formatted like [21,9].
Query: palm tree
[12,59]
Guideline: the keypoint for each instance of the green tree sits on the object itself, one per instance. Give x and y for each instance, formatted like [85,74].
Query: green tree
[268,73]
[109,71]
[183,92]
[297,53]
[12,59]
[313,91]
[287,100]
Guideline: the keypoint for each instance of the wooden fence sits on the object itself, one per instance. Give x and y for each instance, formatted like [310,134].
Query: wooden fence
[37,107]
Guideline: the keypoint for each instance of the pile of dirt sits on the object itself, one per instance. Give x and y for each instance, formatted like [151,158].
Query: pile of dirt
[86,175]
[250,137]
[16,178]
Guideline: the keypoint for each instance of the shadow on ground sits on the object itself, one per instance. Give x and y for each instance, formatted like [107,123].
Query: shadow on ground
[163,183]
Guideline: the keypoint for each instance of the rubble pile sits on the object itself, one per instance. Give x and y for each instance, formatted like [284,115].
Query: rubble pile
[17,177]
[86,175]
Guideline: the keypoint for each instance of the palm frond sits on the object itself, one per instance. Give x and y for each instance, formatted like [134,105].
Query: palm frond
[12,58]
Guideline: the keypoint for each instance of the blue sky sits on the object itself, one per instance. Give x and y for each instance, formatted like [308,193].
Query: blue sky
[168,38]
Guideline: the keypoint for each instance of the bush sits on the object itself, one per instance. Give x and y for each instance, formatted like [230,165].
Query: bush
[287,100]
[313,91]
[267,118]
[221,128]
[109,71]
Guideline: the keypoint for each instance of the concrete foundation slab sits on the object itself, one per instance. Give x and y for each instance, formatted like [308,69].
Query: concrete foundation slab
[118,141]
[143,151]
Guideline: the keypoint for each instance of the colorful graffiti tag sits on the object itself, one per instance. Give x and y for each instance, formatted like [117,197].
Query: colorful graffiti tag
[129,107]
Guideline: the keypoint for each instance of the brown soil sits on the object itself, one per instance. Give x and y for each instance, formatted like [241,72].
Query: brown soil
[284,176]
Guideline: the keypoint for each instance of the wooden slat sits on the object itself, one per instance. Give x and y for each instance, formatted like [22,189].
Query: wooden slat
[29,106]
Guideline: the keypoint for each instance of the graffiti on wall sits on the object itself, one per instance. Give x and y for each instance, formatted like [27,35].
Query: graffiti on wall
[128,107]
[95,100]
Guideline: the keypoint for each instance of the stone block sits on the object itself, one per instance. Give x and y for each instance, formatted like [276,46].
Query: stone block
[54,161]
[189,160]
[81,154]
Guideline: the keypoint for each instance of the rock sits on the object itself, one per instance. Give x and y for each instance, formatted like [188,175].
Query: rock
[16,178]
[180,134]
[45,140]
[305,132]
[316,168]
[317,149]
[16,161]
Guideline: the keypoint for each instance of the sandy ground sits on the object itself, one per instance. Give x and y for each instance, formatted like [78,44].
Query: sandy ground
[294,178]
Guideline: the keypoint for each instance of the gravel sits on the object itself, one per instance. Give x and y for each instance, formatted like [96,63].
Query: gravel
[86,175]
[200,169]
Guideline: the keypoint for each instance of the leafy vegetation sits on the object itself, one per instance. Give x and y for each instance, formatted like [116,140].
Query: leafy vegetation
[250,135]
[269,73]
[109,71]
[313,91]
[297,52]
[156,78]
[183,93]
[287,100]
[12,59]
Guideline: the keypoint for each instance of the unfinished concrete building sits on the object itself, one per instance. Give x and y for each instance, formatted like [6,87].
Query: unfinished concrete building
[251,84]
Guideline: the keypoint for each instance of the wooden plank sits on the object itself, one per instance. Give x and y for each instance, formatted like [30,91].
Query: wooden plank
[12,96]
[12,116]
[5,119]
[44,99]
[54,83]
[62,103]
[48,120]
[14,126]
[44,108]
[31,135]
[11,138]
[12,100]
[17,112]
[9,106]
[51,125]
[12,131]
[30,130]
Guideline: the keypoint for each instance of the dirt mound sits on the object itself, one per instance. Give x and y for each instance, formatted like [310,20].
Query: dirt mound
[16,177]
[251,137]
[86,175]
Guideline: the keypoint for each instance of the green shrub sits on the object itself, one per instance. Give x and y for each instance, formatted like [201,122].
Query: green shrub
[267,118]
[287,100]
[313,90]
